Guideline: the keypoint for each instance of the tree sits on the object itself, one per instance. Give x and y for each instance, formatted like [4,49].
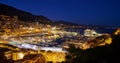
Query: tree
[75,54]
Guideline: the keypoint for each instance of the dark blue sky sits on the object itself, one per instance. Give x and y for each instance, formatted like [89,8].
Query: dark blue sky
[98,12]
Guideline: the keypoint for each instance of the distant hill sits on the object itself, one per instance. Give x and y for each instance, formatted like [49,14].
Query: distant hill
[22,15]
[65,23]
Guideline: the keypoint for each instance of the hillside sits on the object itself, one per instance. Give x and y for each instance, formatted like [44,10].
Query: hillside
[22,15]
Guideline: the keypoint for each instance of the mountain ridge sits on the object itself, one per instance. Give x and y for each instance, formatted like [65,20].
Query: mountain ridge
[22,15]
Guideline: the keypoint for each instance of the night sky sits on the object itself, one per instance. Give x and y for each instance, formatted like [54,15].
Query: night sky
[97,12]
